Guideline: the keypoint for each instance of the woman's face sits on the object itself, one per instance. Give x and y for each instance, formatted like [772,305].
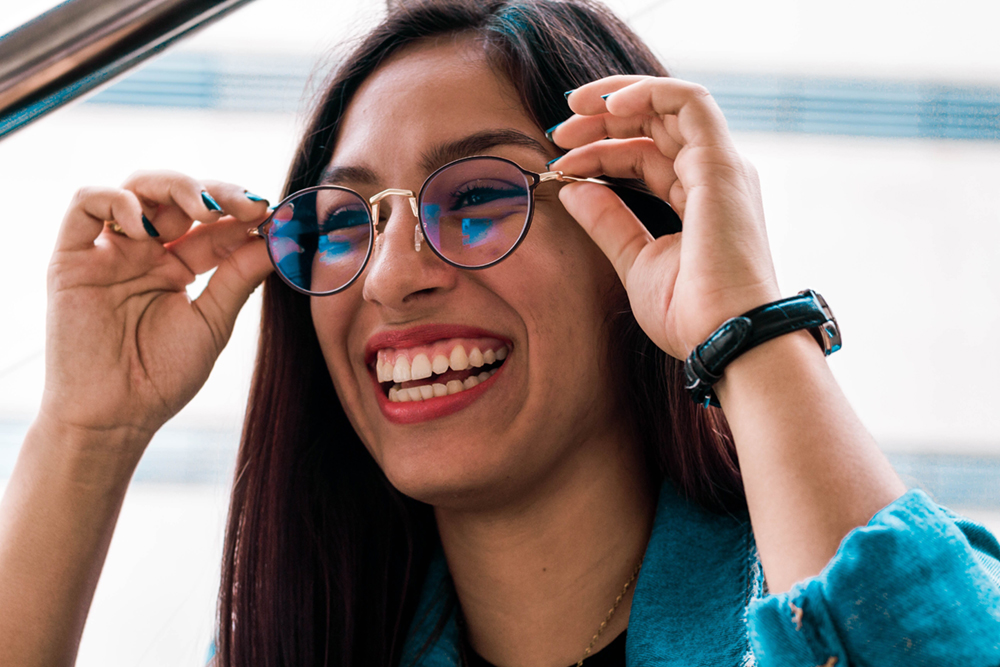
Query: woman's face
[550,402]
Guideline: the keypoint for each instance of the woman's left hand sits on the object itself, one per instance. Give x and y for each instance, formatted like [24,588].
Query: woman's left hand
[672,135]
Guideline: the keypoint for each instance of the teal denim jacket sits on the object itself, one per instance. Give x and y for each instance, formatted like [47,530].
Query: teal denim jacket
[917,586]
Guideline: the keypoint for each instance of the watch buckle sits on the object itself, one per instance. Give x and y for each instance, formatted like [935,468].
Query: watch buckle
[829,332]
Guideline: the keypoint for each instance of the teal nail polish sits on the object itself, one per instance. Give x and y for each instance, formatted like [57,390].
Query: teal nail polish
[548,132]
[148,226]
[210,203]
[549,163]
[252,197]
[568,93]
[604,97]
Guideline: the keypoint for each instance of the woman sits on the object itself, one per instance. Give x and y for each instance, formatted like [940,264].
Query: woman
[392,505]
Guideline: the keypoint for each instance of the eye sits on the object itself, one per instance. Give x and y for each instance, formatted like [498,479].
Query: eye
[339,218]
[477,193]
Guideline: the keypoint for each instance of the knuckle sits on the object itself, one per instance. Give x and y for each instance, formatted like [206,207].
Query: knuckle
[135,176]
[144,176]
[638,164]
[87,193]
[189,182]
[699,92]
[124,200]
[646,126]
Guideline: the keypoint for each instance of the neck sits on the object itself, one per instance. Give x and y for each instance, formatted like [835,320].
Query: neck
[537,576]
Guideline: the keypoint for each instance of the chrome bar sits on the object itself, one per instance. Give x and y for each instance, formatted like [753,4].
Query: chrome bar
[80,45]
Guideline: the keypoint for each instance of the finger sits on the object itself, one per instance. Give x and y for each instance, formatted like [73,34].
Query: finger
[237,201]
[612,226]
[234,200]
[592,122]
[587,100]
[174,201]
[229,287]
[89,210]
[582,130]
[699,119]
[206,246]
[622,158]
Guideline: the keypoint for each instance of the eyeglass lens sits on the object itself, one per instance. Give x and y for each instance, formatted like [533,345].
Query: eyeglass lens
[319,240]
[473,213]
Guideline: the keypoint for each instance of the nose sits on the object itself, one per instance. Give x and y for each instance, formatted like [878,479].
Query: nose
[399,275]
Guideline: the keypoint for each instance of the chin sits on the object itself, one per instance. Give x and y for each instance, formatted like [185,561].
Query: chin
[447,480]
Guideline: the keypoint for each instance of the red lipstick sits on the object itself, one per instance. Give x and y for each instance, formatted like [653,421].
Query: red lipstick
[412,412]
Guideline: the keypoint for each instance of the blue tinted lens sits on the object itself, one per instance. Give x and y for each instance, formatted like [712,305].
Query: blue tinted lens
[476,231]
[319,240]
[474,211]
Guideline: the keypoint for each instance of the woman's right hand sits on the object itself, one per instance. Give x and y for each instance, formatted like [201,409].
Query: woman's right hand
[126,348]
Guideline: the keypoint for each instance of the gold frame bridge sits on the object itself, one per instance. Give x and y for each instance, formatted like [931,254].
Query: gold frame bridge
[374,200]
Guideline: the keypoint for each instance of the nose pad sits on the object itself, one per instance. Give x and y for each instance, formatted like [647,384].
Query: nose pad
[418,234]
[394,274]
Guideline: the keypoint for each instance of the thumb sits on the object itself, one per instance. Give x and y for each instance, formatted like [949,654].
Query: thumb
[229,288]
[611,225]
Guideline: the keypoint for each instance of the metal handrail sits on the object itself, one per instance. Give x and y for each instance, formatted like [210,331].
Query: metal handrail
[81,45]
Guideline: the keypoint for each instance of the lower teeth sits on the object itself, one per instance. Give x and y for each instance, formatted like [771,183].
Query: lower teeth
[399,395]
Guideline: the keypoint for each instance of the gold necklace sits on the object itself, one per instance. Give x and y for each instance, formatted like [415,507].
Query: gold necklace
[611,612]
[590,647]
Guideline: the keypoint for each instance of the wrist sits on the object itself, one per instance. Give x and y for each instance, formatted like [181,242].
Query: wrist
[755,371]
[103,456]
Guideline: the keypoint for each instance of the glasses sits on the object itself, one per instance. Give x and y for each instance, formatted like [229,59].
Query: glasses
[472,212]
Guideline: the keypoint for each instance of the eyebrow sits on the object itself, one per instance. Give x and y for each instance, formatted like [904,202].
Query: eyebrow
[339,175]
[474,144]
[477,143]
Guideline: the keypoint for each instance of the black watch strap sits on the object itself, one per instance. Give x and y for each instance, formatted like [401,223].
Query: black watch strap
[807,310]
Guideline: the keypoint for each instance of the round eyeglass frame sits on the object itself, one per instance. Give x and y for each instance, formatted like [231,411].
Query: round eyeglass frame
[534,179]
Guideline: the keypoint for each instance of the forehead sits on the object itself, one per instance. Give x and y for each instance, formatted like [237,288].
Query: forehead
[430,94]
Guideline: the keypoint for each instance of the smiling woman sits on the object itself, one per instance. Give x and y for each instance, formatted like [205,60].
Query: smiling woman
[469,438]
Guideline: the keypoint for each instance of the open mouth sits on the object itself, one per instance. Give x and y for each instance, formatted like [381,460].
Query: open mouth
[443,368]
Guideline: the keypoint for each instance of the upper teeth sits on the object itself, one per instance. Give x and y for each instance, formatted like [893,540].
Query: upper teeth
[403,369]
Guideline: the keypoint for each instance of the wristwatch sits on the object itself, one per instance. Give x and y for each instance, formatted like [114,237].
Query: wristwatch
[807,310]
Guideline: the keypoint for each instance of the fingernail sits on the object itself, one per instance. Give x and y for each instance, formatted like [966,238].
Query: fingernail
[210,203]
[568,93]
[604,97]
[148,226]
[548,132]
[252,197]
[549,163]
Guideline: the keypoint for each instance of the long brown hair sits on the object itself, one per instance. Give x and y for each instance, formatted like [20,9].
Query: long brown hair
[323,558]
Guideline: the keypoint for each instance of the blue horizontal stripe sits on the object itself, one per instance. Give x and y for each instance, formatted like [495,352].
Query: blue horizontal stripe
[751,103]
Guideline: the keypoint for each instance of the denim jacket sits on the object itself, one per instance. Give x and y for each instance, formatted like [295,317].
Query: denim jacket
[917,586]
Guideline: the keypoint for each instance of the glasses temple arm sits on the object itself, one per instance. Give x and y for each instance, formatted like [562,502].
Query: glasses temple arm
[563,178]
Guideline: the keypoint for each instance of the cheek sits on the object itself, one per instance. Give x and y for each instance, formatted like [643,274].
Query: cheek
[562,282]
[333,317]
